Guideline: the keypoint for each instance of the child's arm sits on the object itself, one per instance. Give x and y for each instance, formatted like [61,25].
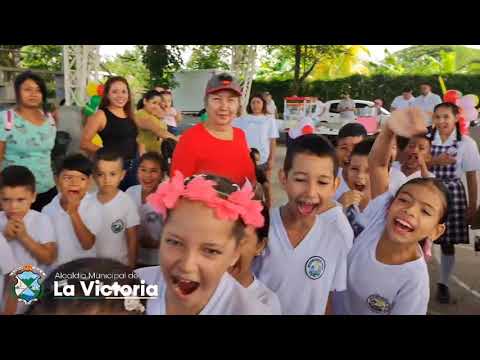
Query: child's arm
[271,157]
[329,307]
[472,195]
[132,243]
[45,253]
[85,237]
[349,198]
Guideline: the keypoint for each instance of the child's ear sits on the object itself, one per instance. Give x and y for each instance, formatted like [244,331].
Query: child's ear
[261,245]
[437,231]
[282,177]
[34,197]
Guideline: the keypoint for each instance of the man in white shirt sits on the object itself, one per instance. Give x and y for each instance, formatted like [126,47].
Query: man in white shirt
[320,108]
[403,101]
[271,107]
[346,107]
[427,101]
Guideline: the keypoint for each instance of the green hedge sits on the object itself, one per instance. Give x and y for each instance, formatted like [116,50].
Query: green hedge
[367,88]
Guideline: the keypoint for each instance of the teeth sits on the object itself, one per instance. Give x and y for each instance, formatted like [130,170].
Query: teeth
[404,224]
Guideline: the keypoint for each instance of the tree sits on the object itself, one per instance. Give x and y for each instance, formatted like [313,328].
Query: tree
[130,65]
[9,55]
[162,61]
[210,57]
[344,64]
[44,57]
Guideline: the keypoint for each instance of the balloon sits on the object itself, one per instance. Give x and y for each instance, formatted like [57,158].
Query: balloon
[307,129]
[452,96]
[470,100]
[95,101]
[88,111]
[471,114]
[97,140]
[92,89]
[101,90]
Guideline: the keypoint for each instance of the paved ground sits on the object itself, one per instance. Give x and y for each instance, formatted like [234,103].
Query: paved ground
[465,285]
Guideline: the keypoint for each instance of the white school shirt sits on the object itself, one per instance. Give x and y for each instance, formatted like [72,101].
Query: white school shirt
[415,175]
[346,104]
[375,288]
[265,296]
[150,223]
[8,262]
[468,158]
[40,229]
[68,245]
[259,131]
[343,187]
[400,103]
[303,277]
[119,214]
[271,109]
[427,103]
[229,298]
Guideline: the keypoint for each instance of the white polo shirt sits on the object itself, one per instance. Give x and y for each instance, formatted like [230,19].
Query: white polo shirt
[427,103]
[259,131]
[303,277]
[40,229]
[7,264]
[229,298]
[150,223]
[375,288]
[401,103]
[68,245]
[468,157]
[119,214]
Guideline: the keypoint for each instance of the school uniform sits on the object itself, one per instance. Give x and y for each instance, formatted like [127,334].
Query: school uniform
[229,298]
[375,288]
[119,214]
[415,175]
[68,245]
[265,296]
[151,224]
[302,277]
[467,159]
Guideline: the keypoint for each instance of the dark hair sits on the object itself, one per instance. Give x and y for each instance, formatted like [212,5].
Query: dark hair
[455,111]
[407,89]
[103,269]
[263,231]
[76,162]
[351,129]
[106,155]
[167,148]
[105,103]
[310,144]
[15,176]
[402,142]
[363,148]
[264,104]
[439,185]
[149,95]
[29,75]
[155,157]
[253,152]
[425,83]
[224,188]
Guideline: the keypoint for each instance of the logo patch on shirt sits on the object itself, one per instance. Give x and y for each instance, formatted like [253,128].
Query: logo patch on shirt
[315,267]
[379,304]
[117,226]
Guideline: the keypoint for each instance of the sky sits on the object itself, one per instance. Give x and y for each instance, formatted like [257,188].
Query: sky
[376,51]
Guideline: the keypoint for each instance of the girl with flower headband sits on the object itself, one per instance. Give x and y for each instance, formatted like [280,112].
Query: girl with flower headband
[205,221]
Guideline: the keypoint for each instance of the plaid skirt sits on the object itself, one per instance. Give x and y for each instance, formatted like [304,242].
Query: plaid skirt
[456,231]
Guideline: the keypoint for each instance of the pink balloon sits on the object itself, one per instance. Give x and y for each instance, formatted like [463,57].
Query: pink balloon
[471,114]
[307,129]
[467,102]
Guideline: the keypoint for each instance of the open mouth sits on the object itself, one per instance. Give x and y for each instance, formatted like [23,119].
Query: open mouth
[403,226]
[74,192]
[306,208]
[183,286]
[360,187]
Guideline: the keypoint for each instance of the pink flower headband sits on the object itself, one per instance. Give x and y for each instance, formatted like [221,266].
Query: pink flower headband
[237,204]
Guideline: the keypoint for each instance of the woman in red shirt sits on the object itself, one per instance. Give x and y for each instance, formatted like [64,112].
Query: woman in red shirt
[214,146]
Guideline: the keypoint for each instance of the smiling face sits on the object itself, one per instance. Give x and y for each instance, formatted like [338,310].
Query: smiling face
[196,249]
[149,175]
[415,214]
[73,184]
[444,120]
[222,107]
[345,147]
[358,177]
[152,105]
[309,184]
[118,94]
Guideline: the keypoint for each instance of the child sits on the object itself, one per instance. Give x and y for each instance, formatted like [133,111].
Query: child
[117,238]
[149,175]
[30,234]
[192,276]
[110,271]
[74,214]
[309,237]
[166,149]
[416,156]
[348,136]
[172,117]
[387,273]
[254,243]
[454,154]
[264,191]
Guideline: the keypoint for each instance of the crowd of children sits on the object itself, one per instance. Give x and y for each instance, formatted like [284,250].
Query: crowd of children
[353,238]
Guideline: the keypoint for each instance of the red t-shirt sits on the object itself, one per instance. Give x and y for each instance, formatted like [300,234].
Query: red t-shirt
[198,152]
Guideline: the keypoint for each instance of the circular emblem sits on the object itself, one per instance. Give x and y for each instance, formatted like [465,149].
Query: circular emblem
[28,283]
[315,267]
[117,226]
[378,304]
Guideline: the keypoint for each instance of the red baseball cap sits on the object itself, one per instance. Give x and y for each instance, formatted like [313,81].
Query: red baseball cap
[223,81]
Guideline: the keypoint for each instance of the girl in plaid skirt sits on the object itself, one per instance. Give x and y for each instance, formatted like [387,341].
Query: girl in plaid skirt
[453,154]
